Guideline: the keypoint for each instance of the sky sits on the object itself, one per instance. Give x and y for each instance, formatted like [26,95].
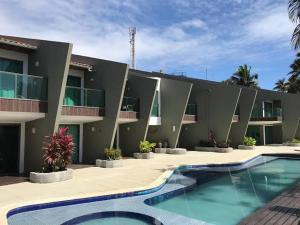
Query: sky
[175,36]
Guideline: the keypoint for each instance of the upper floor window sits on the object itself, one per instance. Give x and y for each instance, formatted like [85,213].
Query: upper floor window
[10,65]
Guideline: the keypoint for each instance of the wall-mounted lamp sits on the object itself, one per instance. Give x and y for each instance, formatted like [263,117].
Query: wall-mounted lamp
[128,128]
[33,130]
[37,63]
[174,128]
[93,129]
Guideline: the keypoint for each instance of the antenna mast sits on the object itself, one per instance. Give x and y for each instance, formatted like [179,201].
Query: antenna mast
[132,32]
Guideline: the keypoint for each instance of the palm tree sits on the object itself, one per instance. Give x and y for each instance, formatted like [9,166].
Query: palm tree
[244,77]
[294,9]
[293,85]
[281,85]
[295,68]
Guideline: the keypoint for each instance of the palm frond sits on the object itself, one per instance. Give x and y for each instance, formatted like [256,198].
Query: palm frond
[294,10]
[295,40]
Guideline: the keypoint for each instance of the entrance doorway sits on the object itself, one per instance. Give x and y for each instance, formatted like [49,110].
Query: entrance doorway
[9,150]
[268,135]
[74,130]
[254,132]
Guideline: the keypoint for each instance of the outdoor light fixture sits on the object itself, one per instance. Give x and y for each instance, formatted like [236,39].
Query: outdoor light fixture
[174,128]
[33,130]
[93,129]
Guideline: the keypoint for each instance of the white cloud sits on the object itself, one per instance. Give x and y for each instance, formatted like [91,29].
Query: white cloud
[194,23]
[100,29]
[272,25]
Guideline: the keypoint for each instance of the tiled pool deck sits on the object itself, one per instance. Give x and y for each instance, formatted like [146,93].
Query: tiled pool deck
[135,175]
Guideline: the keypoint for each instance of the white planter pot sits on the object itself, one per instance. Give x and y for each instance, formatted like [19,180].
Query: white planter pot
[140,155]
[176,151]
[160,150]
[246,147]
[52,177]
[109,163]
[213,149]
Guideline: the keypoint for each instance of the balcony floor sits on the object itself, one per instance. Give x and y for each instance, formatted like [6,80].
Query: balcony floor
[265,122]
[18,117]
[67,119]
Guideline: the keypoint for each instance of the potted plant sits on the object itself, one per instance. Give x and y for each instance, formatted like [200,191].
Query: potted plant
[145,150]
[58,155]
[112,158]
[159,148]
[249,144]
[294,142]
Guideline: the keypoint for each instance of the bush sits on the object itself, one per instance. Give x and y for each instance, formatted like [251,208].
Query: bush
[146,146]
[58,151]
[249,141]
[112,154]
[295,141]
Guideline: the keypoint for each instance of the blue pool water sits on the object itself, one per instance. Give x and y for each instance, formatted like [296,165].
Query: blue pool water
[194,195]
[232,196]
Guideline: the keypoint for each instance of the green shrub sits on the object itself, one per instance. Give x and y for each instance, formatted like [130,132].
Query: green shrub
[249,141]
[112,154]
[146,146]
[295,140]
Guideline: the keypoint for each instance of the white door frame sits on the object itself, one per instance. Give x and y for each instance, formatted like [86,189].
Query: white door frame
[22,148]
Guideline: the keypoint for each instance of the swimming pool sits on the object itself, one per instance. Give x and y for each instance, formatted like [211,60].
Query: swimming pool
[200,194]
[231,196]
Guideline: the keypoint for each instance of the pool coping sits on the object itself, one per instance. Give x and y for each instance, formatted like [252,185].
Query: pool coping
[153,187]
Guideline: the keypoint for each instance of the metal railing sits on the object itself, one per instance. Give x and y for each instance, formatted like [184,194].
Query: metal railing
[191,109]
[23,86]
[130,104]
[75,96]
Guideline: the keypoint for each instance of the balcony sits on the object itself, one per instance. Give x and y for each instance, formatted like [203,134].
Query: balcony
[190,115]
[129,110]
[273,116]
[23,96]
[155,110]
[236,116]
[83,105]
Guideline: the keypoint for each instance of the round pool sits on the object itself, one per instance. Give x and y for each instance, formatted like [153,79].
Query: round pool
[113,218]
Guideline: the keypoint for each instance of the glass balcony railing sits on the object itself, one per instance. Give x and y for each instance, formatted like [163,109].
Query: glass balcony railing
[155,110]
[277,112]
[268,114]
[75,96]
[130,104]
[22,86]
[191,109]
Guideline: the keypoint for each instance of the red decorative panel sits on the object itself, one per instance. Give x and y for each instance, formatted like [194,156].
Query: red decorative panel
[22,105]
[129,115]
[82,111]
[189,117]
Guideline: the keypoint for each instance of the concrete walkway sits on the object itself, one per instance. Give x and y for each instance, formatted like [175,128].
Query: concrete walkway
[136,174]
